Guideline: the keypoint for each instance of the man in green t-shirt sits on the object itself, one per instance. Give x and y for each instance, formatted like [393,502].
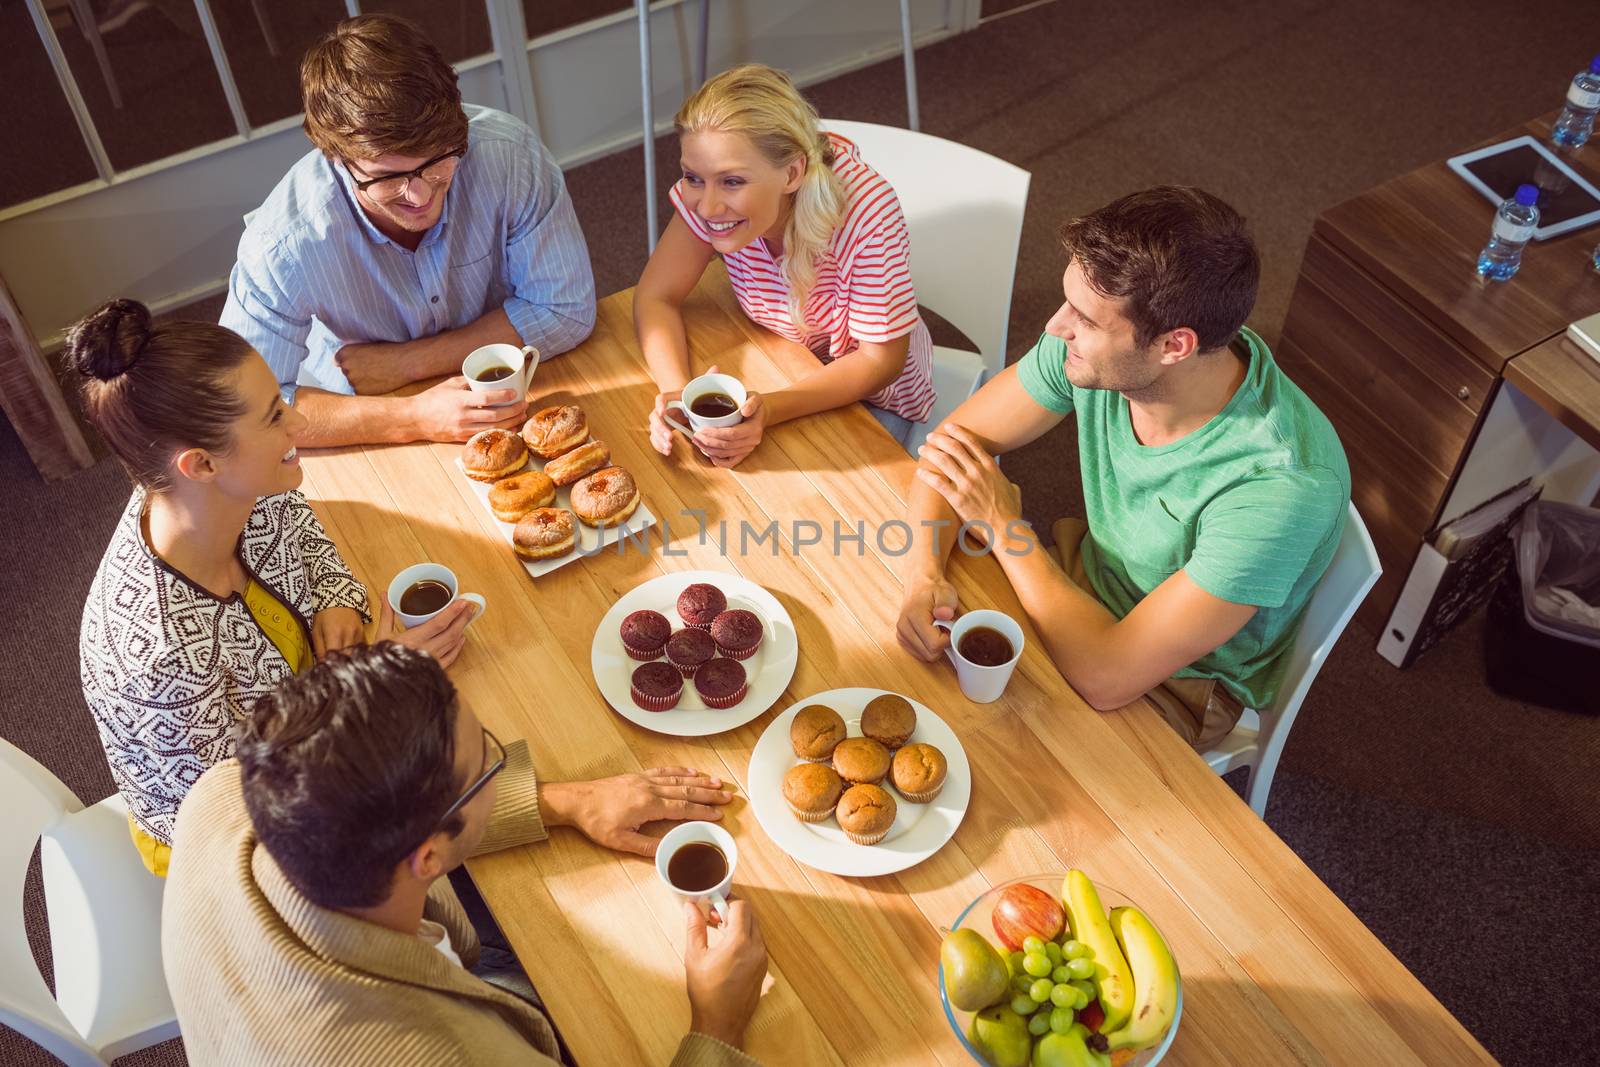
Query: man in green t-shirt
[1215,490]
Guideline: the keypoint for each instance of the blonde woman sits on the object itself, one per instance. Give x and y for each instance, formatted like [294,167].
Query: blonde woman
[816,249]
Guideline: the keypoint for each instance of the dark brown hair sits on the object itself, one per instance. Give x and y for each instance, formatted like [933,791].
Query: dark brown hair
[374,86]
[154,391]
[347,767]
[1178,256]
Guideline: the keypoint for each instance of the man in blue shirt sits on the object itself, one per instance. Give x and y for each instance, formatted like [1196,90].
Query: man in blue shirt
[419,230]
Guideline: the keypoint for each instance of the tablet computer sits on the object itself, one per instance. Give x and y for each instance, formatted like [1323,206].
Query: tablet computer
[1566,201]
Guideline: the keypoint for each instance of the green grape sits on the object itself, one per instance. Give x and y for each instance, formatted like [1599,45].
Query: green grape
[1036,964]
[1081,968]
[1083,1000]
[1022,983]
[1086,988]
[1024,1005]
[1031,943]
[1040,991]
[1061,976]
[1014,962]
[1061,1020]
[1064,996]
[1053,950]
[1074,950]
[1040,1024]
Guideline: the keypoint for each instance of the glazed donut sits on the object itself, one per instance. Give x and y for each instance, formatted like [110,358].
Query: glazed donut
[513,497]
[544,533]
[552,431]
[606,497]
[490,455]
[585,459]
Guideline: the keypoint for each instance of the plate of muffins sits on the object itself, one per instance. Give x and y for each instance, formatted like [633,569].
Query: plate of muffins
[553,488]
[694,653]
[859,782]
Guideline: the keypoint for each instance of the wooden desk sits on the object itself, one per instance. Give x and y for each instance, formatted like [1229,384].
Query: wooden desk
[1276,969]
[1564,380]
[1393,336]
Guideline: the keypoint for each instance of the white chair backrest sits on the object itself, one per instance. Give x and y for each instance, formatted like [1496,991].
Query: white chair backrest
[1351,573]
[34,800]
[964,210]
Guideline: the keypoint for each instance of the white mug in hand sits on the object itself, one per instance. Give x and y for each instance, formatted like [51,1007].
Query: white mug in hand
[707,390]
[699,848]
[515,367]
[424,576]
[982,683]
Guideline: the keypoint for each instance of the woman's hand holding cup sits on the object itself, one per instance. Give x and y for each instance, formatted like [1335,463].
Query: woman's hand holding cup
[441,637]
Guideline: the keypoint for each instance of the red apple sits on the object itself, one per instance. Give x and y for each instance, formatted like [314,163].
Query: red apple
[1023,911]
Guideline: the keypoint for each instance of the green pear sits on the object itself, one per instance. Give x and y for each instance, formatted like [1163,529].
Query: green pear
[1068,1050]
[1001,1035]
[975,975]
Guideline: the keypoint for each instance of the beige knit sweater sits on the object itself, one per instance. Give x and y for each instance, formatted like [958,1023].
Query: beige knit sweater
[260,975]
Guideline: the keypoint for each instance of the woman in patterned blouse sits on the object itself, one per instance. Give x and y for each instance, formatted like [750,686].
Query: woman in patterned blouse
[219,582]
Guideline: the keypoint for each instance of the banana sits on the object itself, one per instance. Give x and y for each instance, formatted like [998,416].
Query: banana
[1155,980]
[1090,925]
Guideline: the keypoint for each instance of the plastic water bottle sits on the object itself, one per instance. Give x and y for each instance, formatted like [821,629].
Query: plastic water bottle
[1596,257]
[1576,120]
[1513,228]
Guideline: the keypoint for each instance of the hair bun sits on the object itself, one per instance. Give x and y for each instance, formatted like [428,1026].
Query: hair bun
[109,342]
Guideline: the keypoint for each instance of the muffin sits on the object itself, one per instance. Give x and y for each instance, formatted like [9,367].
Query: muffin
[721,683]
[490,455]
[861,760]
[689,650]
[656,686]
[815,731]
[918,772]
[889,720]
[812,791]
[645,633]
[737,633]
[866,813]
[699,604]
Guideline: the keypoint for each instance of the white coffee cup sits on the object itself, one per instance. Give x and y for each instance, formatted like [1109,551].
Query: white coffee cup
[981,684]
[710,833]
[699,387]
[522,361]
[429,572]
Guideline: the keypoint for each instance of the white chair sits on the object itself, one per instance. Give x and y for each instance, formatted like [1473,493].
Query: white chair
[105,923]
[1258,740]
[964,210]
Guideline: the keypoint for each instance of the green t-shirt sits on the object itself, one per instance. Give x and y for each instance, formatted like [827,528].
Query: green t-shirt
[1250,506]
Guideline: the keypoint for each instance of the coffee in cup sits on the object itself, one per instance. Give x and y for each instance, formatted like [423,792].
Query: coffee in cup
[421,591]
[985,646]
[499,366]
[696,861]
[711,400]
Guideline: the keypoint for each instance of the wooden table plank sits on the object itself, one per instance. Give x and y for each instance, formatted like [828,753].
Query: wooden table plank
[1275,968]
[1564,380]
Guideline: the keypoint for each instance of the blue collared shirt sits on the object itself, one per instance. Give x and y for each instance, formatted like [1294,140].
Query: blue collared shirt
[314,273]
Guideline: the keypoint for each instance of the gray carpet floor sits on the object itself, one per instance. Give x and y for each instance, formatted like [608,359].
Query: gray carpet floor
[1463,828]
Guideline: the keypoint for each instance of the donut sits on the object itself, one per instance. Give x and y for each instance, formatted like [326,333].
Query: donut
[552,431]
[585,459]
[544,533]
[606,497]
[513,497]
[490,455]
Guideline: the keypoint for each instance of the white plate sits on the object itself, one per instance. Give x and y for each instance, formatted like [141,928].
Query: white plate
[590,541]
[768,671]
[919,830]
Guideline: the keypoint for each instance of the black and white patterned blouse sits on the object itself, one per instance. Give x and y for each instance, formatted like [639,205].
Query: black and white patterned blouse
[168,668]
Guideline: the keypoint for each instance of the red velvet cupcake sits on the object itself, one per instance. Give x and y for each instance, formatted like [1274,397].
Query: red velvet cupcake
[689,649]
[721,683]
[737,633]
[699,604]
[656,686]
[645,633]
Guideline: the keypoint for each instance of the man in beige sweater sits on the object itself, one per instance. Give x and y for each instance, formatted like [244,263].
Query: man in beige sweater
[307,918]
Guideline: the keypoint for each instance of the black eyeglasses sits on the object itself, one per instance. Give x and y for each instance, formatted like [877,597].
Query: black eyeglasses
[496,765]
[435,171]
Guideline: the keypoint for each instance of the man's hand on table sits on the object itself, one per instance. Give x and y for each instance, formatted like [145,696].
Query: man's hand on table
[450,411]
[926,598]
[724,979]
[961,470]
[375,367]
[610,811]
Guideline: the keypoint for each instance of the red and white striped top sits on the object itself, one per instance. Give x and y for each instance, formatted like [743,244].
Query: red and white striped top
[862,291]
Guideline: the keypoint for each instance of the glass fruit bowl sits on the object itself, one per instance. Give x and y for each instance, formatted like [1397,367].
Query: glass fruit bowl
[979,916]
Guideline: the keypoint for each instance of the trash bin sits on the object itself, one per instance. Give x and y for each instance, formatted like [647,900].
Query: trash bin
[1542,639]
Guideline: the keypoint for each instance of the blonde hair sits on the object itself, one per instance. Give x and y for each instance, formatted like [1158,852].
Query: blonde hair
[763,105]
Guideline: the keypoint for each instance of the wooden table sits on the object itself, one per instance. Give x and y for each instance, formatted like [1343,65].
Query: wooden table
[1276,969]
